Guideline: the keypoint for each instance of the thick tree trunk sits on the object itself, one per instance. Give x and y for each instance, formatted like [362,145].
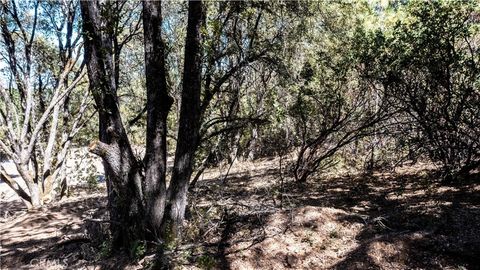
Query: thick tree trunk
[32,186]
[122,170]
[188,133]
[35,195]
[158,106]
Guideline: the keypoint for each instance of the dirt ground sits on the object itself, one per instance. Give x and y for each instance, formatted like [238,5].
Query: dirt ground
[259,218]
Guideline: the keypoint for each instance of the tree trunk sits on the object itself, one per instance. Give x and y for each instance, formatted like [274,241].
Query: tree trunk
[35,195]
[252,151]
[188,133]
[122,170]
[32,186]
[158,106]
[125,183]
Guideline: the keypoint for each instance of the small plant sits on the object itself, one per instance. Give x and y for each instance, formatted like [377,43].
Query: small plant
[308,238]
[138,250]
[91,177]
[206,262]
[105,249]
[92,182]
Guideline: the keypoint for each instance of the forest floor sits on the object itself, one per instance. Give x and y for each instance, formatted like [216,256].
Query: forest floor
[259,218]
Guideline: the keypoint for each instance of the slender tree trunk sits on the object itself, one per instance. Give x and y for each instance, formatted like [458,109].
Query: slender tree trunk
[188,133]
[252,154]
[158,106]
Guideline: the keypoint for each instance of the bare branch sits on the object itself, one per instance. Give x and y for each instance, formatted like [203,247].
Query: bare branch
[57,98]
[13,185]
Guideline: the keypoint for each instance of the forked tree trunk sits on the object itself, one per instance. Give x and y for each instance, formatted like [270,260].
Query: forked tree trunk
[33,187]
[130,211]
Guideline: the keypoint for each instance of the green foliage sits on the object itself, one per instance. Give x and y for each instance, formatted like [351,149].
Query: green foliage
[138,249]
[206,262]
[105,249]
[428,65]
[85,170]
[333,105]
[92,182]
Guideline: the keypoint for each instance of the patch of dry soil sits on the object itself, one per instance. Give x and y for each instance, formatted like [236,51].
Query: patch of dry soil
[49,238]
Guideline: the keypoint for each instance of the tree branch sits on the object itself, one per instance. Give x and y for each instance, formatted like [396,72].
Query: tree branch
[13,184]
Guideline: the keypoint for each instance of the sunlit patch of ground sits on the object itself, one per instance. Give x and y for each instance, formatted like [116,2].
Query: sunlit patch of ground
[307,237]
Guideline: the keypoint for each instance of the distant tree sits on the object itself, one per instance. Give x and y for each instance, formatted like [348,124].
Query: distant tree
[41,109]
[330,105]
[331,114]
[244,55]
[428,66]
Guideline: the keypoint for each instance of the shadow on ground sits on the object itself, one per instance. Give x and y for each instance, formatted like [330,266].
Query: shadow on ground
[55,238]
[257,218]
[406,220]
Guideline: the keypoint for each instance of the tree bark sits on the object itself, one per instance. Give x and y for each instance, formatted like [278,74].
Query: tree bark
[158,107]
[122,170]
[188,133]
